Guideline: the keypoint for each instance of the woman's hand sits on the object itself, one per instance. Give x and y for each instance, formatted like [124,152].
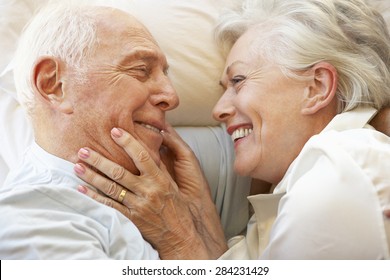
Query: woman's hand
[164,211]
[195,191]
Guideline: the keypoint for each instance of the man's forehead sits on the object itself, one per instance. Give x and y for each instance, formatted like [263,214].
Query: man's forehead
[145,54]
[127,33]
[117,21]
[121,33]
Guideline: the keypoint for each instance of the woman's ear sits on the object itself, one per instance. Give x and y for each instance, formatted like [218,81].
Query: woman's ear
[48,84]
[321,90]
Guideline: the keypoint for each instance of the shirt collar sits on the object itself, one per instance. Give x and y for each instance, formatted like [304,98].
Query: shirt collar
[356,118]
[57,164]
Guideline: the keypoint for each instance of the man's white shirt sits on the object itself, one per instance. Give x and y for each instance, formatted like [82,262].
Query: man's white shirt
[43,216]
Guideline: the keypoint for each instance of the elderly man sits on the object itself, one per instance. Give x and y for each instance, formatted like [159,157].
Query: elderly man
[80,71]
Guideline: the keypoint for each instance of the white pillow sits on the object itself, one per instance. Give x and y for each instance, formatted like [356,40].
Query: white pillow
[184,31]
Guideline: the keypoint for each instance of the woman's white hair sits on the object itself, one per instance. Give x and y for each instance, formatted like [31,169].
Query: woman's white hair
[297,34]
[64,31]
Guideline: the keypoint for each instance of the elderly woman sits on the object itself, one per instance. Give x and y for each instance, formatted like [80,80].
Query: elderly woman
[302,81]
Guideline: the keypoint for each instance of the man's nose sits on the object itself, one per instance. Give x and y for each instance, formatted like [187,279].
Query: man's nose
[165,96]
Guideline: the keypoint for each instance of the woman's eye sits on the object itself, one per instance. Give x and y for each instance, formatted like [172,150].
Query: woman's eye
[236,79]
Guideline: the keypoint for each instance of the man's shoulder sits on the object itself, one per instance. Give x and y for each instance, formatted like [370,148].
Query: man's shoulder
[56,222]
[31,198]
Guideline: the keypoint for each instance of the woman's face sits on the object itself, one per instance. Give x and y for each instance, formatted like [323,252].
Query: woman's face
[261,108]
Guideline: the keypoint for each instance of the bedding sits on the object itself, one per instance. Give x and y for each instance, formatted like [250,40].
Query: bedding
[184,30]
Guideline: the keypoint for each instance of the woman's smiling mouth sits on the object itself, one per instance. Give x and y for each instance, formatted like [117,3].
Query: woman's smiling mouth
[241,133]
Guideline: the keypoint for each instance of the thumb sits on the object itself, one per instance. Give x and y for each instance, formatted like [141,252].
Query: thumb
[176,145]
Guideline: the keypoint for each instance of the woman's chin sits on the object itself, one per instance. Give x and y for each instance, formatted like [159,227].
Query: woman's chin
[241,169]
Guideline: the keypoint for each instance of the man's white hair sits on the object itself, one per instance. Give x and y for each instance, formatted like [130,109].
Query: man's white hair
[66,31]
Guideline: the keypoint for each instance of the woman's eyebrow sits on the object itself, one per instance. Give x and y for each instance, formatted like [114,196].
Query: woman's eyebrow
[237,62]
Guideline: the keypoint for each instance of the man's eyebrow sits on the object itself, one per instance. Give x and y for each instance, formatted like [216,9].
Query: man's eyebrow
[146,55]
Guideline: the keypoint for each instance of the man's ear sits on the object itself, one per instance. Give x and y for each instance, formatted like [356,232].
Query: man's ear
[48,84]
[321,90]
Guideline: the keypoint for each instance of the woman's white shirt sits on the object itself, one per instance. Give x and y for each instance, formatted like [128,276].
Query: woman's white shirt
[330,202]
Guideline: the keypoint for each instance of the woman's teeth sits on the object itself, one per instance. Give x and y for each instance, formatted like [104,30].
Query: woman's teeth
[241,133]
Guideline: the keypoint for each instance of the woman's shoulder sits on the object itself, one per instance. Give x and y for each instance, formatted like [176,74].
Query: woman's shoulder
[355,142]
[340,156]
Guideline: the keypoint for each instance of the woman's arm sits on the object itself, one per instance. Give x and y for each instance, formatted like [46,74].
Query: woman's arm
[178,218]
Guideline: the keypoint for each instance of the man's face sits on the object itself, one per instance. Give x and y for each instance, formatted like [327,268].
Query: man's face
[126,86]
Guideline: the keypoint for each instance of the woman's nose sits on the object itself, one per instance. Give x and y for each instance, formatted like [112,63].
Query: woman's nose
[224,108]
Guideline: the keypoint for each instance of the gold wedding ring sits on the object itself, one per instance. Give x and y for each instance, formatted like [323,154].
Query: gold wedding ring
[122,196]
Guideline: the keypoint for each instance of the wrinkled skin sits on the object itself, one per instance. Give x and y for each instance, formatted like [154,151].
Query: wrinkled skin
[123,83]
[169,203]
[178,218]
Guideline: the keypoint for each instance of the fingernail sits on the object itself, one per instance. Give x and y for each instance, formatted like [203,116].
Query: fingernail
[82,189]
[115,132]
[79,169]
[83,153]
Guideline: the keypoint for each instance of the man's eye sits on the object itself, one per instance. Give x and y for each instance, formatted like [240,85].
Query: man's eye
[142,69]
[142,73]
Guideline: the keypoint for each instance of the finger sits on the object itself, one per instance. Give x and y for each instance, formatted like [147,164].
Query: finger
[176,144]
[105,185]
[165,170]
[141,158]
[124,209]
[113,170]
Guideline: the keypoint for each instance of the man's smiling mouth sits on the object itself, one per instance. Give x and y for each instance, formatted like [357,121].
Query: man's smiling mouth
[148,126]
